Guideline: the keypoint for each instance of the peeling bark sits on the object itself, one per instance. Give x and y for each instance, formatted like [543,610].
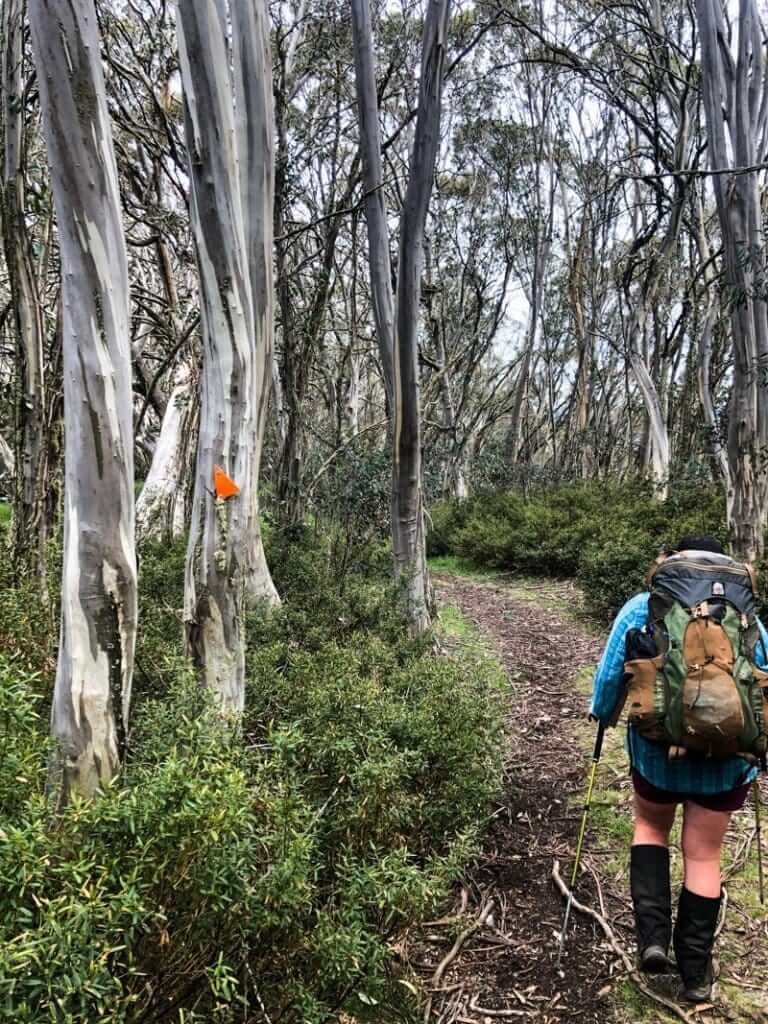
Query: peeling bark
[228,123]
[162,510]
[98,615]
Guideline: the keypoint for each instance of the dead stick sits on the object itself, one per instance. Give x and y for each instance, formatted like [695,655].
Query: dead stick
[449,957]
[724,907]
[473,1005]
[619,950]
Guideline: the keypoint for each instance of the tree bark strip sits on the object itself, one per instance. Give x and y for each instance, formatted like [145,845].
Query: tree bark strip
[98,615]
[226,123]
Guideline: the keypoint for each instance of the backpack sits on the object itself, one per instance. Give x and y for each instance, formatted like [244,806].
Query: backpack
[690,674]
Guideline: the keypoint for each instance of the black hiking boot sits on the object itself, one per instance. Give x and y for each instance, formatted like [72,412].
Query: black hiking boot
[694,938]
[652,900]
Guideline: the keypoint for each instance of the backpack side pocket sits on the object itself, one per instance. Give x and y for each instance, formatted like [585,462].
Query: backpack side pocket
[645,697]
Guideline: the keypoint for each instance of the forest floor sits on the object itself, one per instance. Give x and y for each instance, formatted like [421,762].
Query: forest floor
[494,956]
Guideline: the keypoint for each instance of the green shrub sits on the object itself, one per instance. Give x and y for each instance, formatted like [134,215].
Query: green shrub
[603,534]
[271,864]
[320,601]
[160,638]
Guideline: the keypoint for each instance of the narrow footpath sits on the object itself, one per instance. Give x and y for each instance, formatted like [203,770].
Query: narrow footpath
[494,955]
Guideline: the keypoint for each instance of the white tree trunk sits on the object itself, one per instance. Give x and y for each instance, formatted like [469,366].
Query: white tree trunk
[703,382]
[228,129]
[255,129]
[657,424]
[98,597]
[6,457]
[161,512]
[736,106]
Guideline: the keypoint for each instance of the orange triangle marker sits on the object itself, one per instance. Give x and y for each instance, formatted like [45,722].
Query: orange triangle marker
[225,486]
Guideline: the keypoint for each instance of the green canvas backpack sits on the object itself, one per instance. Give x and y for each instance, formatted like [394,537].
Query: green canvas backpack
[691,679]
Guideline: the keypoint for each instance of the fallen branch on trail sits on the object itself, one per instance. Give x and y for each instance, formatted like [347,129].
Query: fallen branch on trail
[451,918]
[454,951]
[619,950]
[487,1012]
[451,955]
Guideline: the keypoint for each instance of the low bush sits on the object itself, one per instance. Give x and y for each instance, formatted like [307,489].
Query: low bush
[254,872]
[605,535]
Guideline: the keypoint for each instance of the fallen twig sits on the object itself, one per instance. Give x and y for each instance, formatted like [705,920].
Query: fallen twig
[723,908]
[486,1012]
[669,1004]
[454,951]
[451,955]
[450,918]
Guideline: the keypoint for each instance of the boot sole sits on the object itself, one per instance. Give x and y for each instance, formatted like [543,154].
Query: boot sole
[697,997]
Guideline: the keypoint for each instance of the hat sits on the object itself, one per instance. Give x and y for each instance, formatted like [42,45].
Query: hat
[693,543]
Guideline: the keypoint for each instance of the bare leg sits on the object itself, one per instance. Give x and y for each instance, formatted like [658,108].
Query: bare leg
[703,834]
[653,822]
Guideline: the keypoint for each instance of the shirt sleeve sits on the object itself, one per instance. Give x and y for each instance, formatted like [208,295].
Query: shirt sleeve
[608,677]
[761,650]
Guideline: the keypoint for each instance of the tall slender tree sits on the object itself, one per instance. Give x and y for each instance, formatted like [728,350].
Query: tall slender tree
[407,497]
[98,598]
[401,338]
[228,120]
[30,534]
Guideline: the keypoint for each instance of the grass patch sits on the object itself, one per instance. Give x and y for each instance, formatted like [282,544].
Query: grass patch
[452,565]
[636,1008]
[5,512]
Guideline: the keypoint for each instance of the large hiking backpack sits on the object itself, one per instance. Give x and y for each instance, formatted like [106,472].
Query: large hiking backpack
[692,683]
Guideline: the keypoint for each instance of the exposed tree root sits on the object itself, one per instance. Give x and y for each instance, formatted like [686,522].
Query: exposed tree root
[619,950]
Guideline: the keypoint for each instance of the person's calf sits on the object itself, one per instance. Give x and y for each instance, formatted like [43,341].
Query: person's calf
[702,875]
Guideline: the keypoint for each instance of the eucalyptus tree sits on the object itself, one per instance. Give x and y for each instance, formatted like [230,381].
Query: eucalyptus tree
[407,500]
[228,123]
[32,451]
[379,259]
[142,89]
[98,596]
[735,90]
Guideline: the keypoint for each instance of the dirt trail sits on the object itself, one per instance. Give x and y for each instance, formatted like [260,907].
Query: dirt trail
[506,968]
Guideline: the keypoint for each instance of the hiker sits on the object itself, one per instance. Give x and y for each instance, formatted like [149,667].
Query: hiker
[674,655]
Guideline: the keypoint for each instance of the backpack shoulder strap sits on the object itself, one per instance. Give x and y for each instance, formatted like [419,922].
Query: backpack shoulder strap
[655,566]
[752,576]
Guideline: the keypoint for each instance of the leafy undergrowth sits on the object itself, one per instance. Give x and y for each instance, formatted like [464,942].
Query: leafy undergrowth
[603,534]
[263,871]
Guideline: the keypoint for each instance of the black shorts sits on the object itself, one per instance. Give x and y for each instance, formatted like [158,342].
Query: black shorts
[730,800]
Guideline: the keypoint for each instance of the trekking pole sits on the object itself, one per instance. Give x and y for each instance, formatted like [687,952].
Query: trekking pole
[756,794]
[591,785]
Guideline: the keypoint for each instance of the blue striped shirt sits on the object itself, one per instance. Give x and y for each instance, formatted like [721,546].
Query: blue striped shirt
[687,775]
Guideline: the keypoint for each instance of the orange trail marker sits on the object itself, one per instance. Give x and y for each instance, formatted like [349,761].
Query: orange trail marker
[225,485]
